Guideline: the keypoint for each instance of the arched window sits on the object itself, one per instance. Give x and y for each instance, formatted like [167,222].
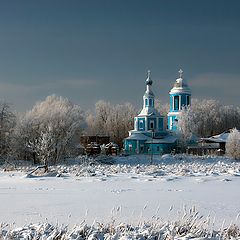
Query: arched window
[150,102]
[176,103]
[151,124]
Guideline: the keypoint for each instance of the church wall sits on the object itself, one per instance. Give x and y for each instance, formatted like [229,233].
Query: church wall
[159,148]
[141,147]
[160,124]
[130,146]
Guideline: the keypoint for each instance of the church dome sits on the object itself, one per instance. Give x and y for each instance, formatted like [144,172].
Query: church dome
[149,83]
[180,86]
[149,80]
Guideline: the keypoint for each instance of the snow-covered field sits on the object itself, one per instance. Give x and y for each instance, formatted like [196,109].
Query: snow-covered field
[130,191]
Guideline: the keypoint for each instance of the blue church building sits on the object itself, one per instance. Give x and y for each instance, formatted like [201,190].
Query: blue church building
[149,135]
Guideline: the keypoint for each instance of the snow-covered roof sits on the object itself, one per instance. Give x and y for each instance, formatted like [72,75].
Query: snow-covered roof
[220,138]
[149,111]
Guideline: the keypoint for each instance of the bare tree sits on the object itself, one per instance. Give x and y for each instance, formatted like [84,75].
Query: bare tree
[120,121]
[112,120]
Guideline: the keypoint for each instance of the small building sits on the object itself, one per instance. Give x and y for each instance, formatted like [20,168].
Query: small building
[93,149]
[85,140]
[111,149]
[219,139]
[149,135]
[214,145]
[202,149]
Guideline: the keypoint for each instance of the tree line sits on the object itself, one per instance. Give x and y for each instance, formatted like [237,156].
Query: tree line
[206,118]
[51,130]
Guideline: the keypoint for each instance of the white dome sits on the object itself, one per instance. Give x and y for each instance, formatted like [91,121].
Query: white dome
[180,86]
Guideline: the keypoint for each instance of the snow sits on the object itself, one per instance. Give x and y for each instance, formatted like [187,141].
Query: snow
[130,191]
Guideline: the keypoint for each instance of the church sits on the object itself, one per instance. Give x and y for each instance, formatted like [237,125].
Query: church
[149,135]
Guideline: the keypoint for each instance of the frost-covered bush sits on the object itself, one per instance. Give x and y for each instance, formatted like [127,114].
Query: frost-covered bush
[233,144]
[190,226]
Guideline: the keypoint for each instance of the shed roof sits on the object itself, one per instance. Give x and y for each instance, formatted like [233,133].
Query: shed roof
[220,138]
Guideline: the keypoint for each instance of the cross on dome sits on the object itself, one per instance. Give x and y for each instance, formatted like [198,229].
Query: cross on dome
[180,73]
[148,73]
[148,80]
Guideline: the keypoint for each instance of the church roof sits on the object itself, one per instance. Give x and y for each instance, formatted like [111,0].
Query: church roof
[167,139]
[149,111]
[138,136]
[148,93]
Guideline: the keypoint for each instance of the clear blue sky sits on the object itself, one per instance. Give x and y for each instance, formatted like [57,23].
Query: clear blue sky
[90,50]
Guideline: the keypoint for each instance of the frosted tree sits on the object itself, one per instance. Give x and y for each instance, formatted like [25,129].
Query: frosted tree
[233,144]
[112,120]
[102,111]
[42,146]
[186,128]
[207,117]
[7,123]
[47,130]
[230,117]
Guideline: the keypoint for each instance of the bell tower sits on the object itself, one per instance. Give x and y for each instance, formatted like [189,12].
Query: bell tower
[180,96]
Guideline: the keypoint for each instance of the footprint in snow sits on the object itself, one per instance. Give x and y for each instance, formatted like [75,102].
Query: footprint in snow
[226,180]
[174,190]
[118,191]
[171,179]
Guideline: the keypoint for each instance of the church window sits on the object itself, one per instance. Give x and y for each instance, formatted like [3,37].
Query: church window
[146,102]
[141,124]
[130,147]
[151,124]
[150,102]
[176,102]
[188,100]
